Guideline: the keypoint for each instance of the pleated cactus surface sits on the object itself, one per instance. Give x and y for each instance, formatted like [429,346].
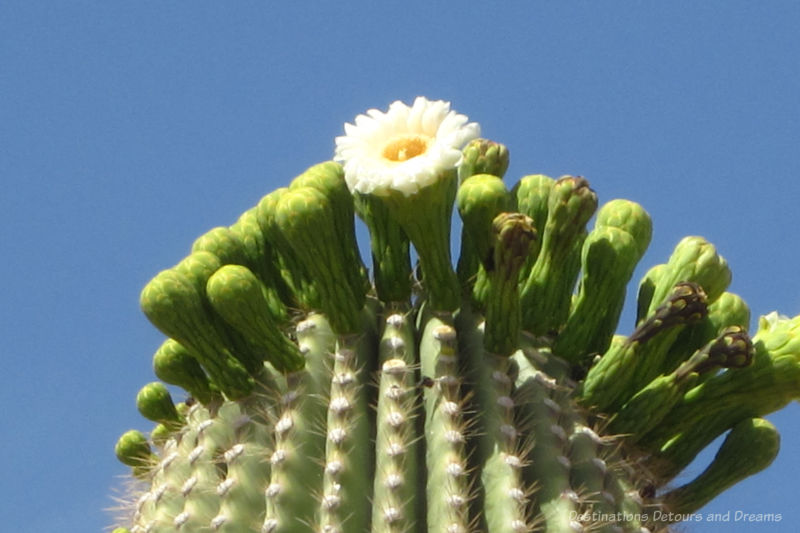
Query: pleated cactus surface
[492,392]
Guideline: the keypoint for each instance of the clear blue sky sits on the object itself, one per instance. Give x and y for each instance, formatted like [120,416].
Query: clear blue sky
[127,129]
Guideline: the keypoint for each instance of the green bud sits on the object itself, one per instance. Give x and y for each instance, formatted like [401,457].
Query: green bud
[648,407]
[224,244]
[728,310]
[694,259]
[173,364]
[155,403]
[479,199]
[546,294]
[532,194]
[198,268]
[160,434]
[241,300]
[306,218]
[706,411]
[328,178]
[686,304]
[512,237]
[608,259]
[132,449]
[628,365]
[732,349]
[750,447]
[263,262]
[482,156]
[172,303]
[292,270]
[609,256]
[629,217]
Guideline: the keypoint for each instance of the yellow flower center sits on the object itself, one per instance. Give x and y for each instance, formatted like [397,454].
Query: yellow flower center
[405,148]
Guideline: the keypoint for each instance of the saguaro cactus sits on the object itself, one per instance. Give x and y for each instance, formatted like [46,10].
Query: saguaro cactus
[496,396]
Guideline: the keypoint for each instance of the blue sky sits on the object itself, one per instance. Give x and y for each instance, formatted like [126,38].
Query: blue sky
[127,129]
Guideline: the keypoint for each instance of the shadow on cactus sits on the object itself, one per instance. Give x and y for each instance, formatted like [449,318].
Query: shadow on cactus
[494,396]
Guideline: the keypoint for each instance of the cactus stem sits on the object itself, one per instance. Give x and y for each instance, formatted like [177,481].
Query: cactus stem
[448,490]
[397,471]
[299,444]
[348,451]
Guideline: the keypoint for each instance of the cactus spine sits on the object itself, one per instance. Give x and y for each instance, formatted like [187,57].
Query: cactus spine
[496,396]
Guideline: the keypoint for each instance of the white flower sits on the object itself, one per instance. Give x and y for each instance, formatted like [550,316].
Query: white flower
[403,149]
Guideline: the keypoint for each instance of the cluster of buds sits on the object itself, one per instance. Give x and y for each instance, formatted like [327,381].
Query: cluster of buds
[490,394]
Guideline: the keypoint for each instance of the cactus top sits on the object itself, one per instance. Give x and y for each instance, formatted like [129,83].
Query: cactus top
[403,149]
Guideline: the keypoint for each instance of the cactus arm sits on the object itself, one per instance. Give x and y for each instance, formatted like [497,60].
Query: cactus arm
[598,490]
[505,493]
[299,443]
[246,473]
[349,458]
[448,488]
[397,476]
[539,399]
[185,482]
[499,449]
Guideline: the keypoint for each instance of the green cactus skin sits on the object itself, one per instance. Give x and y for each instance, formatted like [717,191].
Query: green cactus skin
[483,156]
[448,487]
[299,444]
[499,399]
[398,435]
[480,198]
[391,250]
[425,219]
[348,449]
[750,447]
[610,254]
[546,293]
[631,361]
[173,364]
